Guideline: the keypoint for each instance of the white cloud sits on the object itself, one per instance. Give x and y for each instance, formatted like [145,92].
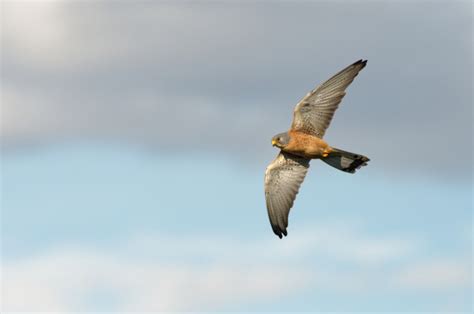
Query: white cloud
[166,273]
[76,280]
[342,242]
[436,275]
[153,272]
[37,31]
[347,243]
[132,72]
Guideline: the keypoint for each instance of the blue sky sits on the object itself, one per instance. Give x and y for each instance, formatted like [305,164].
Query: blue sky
[384,240]
[135,138]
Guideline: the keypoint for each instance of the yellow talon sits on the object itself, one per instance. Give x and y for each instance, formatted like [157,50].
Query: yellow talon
[325,154]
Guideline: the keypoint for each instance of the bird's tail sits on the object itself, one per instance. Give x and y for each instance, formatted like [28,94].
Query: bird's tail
[345,161]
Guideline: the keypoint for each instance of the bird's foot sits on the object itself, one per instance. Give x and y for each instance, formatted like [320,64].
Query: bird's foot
[326,152]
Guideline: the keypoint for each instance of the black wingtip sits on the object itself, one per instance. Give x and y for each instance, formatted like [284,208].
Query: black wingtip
[279,232]
[360,62]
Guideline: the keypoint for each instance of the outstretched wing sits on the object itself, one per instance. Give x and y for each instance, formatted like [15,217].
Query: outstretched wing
[314,112]
[283,178]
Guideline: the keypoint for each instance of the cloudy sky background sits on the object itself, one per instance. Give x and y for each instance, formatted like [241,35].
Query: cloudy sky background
[135,136]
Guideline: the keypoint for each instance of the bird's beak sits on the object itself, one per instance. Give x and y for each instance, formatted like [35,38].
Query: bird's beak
[274,142]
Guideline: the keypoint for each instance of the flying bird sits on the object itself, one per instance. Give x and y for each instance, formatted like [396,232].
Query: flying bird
[303,142]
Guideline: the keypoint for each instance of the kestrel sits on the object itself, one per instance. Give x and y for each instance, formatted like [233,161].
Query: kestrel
[303,142]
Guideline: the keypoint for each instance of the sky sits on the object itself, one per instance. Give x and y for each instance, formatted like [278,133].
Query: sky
[135,135]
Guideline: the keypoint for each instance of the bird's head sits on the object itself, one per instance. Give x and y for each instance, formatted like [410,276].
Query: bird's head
[281,140]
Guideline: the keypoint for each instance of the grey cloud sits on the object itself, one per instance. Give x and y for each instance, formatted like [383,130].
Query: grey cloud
[226,76]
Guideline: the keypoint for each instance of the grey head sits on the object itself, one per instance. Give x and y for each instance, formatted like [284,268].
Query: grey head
[281,140]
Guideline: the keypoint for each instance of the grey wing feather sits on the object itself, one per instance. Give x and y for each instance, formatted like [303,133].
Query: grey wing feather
[283,179]
[314,112]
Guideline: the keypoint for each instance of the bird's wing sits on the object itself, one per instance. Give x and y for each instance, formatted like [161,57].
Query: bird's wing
[283,178]
[314,112]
